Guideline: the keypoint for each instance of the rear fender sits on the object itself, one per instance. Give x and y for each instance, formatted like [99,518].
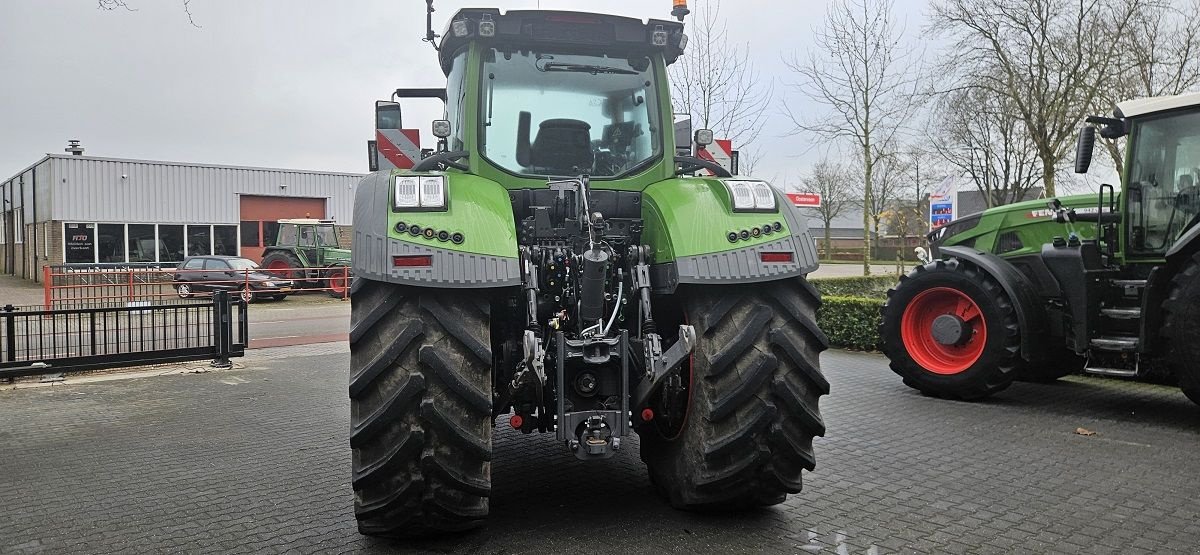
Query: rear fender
[1030,315]
[478,210]
[688,225]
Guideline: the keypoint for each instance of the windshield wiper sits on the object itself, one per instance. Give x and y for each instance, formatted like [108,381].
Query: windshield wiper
[583,68]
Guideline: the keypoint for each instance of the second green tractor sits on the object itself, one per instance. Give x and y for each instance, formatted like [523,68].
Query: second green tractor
[1106,284]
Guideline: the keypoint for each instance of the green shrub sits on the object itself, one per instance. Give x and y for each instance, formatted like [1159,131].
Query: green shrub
[851,322]
[872,287]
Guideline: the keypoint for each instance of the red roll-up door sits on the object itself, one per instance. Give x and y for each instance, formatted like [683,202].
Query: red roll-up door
[270,209]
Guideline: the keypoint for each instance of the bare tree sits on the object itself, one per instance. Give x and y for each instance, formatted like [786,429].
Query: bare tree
[110,5]
[863,73]
[979,135]
[838,193]
[715,81]
[1048,59]
[1160,55]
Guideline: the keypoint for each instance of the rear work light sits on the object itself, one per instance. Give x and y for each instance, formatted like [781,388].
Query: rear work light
[419,261]
[776,257]
[419,193]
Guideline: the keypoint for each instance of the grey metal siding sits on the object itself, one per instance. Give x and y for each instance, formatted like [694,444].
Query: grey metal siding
[92,190]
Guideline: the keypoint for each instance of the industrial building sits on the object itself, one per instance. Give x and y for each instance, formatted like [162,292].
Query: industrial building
[77,209]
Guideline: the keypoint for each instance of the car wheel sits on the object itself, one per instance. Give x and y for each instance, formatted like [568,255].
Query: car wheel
[184,290]
[247,296]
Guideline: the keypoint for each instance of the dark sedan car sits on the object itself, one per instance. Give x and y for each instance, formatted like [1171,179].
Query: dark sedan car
[205,274]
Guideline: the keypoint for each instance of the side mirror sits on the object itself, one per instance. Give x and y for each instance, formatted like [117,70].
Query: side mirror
[704,137]
[387,115]
[1084,148]
[683,132]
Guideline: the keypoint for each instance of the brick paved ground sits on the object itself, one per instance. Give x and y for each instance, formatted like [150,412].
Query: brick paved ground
[257,460]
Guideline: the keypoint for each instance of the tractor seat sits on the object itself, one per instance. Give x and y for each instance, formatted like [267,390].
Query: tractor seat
[563,146]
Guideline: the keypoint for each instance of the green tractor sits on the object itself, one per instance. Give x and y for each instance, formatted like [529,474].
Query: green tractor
[1039,290]
[307,251]
[554,267]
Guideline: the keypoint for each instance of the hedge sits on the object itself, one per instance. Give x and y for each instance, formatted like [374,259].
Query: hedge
[871,287]
[851,322]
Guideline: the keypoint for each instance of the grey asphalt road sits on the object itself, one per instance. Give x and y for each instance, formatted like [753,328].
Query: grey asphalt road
[298,320]
[257,460]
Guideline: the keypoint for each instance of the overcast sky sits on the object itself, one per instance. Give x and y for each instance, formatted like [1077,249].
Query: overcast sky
[287,83]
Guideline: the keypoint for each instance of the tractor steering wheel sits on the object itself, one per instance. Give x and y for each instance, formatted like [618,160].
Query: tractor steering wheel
[442,160]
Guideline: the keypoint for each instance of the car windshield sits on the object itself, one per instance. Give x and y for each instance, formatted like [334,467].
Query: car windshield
[550,114]
[242,264]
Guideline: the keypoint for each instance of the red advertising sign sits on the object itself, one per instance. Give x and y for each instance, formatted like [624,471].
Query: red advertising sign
[805,200]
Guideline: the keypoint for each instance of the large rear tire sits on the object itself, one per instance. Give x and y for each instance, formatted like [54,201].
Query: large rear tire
[753,385]
[283,264]
[984,340]
[1181,328]
[421,409]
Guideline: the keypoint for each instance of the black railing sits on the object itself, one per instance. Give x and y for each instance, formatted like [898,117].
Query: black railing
[37,341]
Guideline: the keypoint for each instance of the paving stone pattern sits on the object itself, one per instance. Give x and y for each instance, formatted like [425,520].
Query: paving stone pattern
[257,460]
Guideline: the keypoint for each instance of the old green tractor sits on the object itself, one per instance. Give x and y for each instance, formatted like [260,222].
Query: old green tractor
[554,267]
[307,252]
[1108,285]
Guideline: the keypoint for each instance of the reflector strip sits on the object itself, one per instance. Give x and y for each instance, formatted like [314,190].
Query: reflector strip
[784,257]
[420,261]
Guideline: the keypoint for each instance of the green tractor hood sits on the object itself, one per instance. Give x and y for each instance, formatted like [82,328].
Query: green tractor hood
[1015,229]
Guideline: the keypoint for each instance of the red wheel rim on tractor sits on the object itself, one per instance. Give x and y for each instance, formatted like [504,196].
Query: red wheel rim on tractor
[280,268]
[942,356]
[337,282]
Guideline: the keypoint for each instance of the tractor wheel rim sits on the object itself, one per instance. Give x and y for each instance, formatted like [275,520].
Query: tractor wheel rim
[337,284]
[916,330]
[279,268]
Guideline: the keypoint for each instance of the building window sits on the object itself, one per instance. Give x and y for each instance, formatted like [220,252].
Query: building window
[170,243]
[250,234]
[199,240]
[111,243]
[270,233]
[80,243]
[46,240]
[141,243]
[225,241]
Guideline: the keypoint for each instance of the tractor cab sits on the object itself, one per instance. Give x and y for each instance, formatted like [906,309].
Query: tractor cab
[536,94]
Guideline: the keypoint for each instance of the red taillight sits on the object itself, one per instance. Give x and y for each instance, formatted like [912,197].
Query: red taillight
[421,261]
[776,257]
[516,422]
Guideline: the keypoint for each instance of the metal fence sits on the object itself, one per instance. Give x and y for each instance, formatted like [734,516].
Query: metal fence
[139,285]
[37,341]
